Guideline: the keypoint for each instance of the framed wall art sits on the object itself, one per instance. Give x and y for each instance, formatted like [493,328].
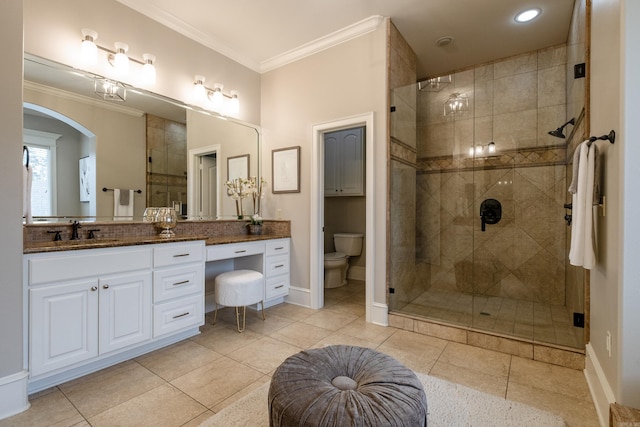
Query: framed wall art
[285,169]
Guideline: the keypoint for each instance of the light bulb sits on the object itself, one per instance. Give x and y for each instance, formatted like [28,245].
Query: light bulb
[88,48]
[121,60]
[492,147]
[217,98]
[198,87]
[479,149]
[148,69]
[471,150]
[234,103]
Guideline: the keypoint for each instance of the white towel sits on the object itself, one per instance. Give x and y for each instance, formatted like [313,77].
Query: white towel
[26,194]
[582,253]
[122,212]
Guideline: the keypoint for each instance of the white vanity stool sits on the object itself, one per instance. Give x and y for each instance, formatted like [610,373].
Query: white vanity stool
[239,288]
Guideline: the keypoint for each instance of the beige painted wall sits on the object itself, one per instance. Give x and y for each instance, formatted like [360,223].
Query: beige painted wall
[120,146]
[52,29]
[346,80]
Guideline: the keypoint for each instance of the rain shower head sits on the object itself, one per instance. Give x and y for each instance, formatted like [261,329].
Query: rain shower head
[558,133]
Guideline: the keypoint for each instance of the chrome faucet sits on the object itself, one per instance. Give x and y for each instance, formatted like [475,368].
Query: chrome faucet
[74,230]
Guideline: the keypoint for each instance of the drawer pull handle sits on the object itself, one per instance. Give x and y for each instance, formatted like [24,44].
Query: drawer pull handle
[181,255]
[94,288]
[240,252]
[105,287]
[279,266]
[181,315]
[279,286]
[180,283]
[279,248]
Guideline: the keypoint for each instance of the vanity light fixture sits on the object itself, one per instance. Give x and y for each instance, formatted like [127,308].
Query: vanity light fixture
[527,15]
[480,149]
[110,90]
[118,58]
[434,84]
[216,96]
[88,47]
[456,104]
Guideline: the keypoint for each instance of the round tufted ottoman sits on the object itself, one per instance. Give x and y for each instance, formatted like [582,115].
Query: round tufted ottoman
[345,386]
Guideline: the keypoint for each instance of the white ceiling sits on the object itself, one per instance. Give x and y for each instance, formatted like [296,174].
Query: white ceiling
[262,34]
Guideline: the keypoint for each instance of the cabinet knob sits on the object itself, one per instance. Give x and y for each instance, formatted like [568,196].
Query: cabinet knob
[105,286]
[94,288]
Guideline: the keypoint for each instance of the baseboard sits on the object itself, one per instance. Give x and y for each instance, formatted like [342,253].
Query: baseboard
[356,273]
[601,391]
[299,296]
[13,394]
[379,314]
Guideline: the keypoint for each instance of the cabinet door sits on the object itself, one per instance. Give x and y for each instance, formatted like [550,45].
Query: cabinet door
[125,310]
[351,158]
[63,325]
[331,165]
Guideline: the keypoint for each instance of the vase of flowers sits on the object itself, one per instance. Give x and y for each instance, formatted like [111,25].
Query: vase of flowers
[238,189]
[255,224]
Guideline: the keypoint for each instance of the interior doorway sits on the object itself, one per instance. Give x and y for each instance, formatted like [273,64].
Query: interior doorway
[203,176]
[364,121]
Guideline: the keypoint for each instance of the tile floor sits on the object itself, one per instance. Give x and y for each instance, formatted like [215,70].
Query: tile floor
[186,383]
[531,320]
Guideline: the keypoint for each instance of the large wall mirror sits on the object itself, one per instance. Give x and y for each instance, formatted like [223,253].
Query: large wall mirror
[86,140]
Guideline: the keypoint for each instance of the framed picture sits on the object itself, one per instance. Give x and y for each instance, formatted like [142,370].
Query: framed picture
[285,169]
[85,179]
[238,167]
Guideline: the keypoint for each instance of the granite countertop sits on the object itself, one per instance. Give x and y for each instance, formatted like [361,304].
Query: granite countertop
[71,245]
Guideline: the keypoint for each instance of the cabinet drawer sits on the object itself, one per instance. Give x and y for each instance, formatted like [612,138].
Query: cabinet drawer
[277,247]
[234,250]
[172,316]
[178,253]
[276,265]
[177,282]
[277,287]
[61,266]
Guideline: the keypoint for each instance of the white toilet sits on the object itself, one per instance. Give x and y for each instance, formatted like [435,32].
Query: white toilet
[336,263]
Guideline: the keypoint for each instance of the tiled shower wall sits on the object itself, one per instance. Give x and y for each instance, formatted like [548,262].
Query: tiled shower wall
[513,102]
[167,161]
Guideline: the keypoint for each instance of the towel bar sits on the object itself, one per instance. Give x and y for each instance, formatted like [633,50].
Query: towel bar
[105,189]
[611,137]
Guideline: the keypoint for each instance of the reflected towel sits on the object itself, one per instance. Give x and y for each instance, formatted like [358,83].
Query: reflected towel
[582,251]
[27,176]
[122,212]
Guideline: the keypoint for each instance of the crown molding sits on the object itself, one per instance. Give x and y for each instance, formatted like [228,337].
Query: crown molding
[189,31]
[37,87]
[330,40]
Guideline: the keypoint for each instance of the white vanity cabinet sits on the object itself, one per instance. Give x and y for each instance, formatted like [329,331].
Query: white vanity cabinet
[344,163]
[86,303]
[178,287]
[277,269]
[88,309]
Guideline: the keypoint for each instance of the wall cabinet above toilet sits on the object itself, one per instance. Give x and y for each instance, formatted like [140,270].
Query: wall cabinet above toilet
[344,163]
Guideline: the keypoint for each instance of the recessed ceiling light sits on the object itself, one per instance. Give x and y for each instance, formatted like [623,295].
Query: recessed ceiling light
[527,15]
[443,41]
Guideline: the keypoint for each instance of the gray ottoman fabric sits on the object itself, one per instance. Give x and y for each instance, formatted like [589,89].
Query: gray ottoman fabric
[383,391]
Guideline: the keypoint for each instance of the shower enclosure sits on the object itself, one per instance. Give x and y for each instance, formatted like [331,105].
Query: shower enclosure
[478,236]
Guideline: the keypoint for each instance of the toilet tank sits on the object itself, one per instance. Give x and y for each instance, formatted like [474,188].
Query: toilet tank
[348,243]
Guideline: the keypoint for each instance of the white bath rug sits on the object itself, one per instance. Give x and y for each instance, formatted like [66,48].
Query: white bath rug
[448,404]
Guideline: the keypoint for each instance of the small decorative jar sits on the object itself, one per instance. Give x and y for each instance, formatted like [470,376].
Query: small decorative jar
[255,229]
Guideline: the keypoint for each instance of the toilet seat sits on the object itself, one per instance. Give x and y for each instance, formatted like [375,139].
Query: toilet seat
[334,256]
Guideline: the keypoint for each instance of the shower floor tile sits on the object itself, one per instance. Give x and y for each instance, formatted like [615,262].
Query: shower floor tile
[526,319]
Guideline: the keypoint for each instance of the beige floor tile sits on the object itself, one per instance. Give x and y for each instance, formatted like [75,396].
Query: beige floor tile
[492,384]
[224,339]
[178,359]
[338,338]
[291,311]
[552,378]
[50,409]
[478,359]
[359,328]
[162,406]
[417,352]
[197,421]
[265,327]
[300,335]
[242,393]
[214,383]
[576,412]
[110,387]
[264,355]
[329,319]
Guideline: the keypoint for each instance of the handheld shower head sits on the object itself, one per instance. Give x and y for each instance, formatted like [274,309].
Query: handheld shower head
[558,133]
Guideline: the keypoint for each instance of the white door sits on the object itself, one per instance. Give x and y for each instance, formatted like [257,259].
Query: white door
[331,165]
[125,310]
[209,187]
[63,323]
[352,162]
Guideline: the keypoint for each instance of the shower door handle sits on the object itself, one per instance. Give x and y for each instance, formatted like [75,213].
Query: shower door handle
[490,212]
